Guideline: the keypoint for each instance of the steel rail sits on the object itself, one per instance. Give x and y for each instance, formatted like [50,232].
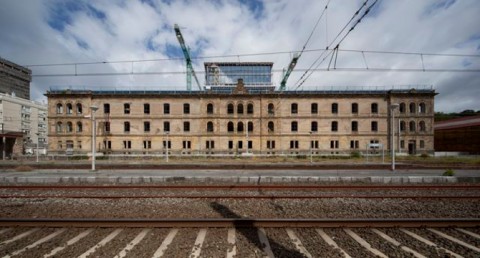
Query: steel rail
[240,222]
[239,197]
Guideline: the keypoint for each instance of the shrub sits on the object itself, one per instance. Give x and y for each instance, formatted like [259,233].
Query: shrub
[355,154]
[449,172]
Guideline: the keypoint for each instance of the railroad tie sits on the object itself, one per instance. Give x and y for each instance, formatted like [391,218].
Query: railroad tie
[453,239]
[296,241]
[69,243]
[262,236]
[477,236]
[231,239]
[197,247]
[37,243]
[398,244]
[428,242]
[330,242]
[18,237]
[166,242]
[101,243]
[364,243]
[133,243]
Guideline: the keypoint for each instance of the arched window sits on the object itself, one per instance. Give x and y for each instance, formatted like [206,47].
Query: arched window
[271,126]
[294,108]
[271,109]
[69,127]
[250,126]
[374,108]
[240,108]
[374,126]
[422,108]
[422,126]
[79,108]
[240,127]
[230,127]
[334,126]
[79,127]
[412,126]
[250,108]
[230,108]
[412,108]
[209,108]
[59,108]
[334,108]
[69,108]
[59,128]
[402,126]
[210,126]
[354,108]
[402,108]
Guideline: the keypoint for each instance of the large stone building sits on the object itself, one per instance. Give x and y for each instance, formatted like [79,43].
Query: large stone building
[15,79]
[239,119]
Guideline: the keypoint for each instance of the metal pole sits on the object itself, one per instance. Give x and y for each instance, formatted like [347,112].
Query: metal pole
[37,145]
[393,139]
[93,109]
[311,147]
[166,144]
[399,149]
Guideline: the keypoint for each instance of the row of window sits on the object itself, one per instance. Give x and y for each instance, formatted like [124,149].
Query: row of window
[69,108]
[240,126]
[210,144]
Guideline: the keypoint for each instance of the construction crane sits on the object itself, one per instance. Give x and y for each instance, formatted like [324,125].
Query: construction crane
[291,66]
[186,53]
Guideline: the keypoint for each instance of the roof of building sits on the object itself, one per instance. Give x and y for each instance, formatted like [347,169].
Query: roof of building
[458,123]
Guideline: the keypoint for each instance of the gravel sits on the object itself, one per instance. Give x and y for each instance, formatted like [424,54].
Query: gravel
[317,247]
[347,243]
[183,243]
[215,244]
[380,244]
[150,244]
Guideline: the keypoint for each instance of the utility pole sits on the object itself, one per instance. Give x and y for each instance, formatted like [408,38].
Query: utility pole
[93,109]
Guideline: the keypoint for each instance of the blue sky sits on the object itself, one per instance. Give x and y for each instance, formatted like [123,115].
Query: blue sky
[74,31]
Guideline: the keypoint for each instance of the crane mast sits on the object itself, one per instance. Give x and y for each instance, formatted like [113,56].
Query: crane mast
[291,66]
[186,53]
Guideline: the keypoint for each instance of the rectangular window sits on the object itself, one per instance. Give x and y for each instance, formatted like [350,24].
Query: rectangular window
[374,126]
[147,144]
[294,126]
[422,144]
[126,108]
[107,145]
[334,145]
[354,126]
[250,144]
[107,126]
[126,127]
[187,144]
[166,126]
[186,126]
[334,108]
[106,108]
[165,144]
[314,127]
[166,108]
[293,144]
[240,145]
[230,145]
[146,126]
[314,144]
[127,144]
[146,108]
[354,144]
[210,145]
[270,144]
[314,108]
[186,108]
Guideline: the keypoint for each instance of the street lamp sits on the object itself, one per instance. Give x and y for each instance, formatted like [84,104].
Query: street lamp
[166,146]
[311,147]
[93,108]
[392,110]
[38,140]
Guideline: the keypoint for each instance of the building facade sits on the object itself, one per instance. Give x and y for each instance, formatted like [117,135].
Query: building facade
[15,79]
[461,135]
[22,120]
[218,123]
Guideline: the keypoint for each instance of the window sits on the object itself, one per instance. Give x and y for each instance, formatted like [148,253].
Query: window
[209,108]
[314,144]
[374,126]
[146,108]
[59,108]
[314,108]
[106,108]
[293,144]
[187,144]
[402,108]
[126,108]
[69,108]
[127,144]
[107,126]
[271,109]
[69,145]
[422,108]
[79,108]
[422,126]
[334,144]
[402,126]
[210,126]
[126,126]
[79,127]
[294,126]
[59,127]
[334,126]
[354,126]
[422,144]
[59,145]
[167,144]
[412,108]
[354,145]
[69,127]
[250,108]
[240,144]
[374,108]
[230,145]
[271,127]
[249,144]
[240,108]
[239,127]
[107,145]
[402,144]
[166,126]
[354,108]
[146,126]
[250,126]
[147,144]
[270,144]
[210,145]
[79,145]
[412,126]
[186,126]
[230,109]
[186,108]
[230,127]
[294,108]
[166,108]
[334,108]
[314,126]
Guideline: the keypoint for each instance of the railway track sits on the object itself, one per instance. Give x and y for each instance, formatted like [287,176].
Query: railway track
[240,238]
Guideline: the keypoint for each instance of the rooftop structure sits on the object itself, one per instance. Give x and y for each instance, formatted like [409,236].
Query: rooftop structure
[15,79]
[224,75]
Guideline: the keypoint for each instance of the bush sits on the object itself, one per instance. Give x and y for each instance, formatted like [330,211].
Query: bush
[355,154]
[449,172]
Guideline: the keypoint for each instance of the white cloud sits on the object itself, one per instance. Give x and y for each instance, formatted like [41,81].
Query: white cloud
[136,30]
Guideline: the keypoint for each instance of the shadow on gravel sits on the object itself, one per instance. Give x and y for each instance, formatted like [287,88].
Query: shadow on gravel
[246,227]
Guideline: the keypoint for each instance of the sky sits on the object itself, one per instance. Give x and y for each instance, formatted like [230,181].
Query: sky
[99,35]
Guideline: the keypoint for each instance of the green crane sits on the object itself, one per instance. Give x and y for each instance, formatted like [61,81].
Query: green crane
[186,53]
[292,65]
